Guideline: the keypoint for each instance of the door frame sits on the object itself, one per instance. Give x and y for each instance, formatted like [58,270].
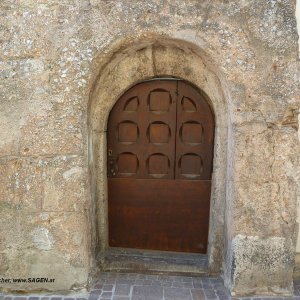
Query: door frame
[139,62]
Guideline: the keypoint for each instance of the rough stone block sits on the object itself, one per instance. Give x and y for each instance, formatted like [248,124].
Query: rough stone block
[21,184]
[52,184]
[65,184]
[55,245]
[261,266]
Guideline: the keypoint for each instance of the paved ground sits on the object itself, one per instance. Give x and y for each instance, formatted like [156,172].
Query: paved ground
[116,286]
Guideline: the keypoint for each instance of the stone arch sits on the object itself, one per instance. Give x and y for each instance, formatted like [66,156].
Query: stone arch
[142,60]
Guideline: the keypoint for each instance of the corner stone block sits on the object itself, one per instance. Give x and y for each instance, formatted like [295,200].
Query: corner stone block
[50,245]
[261,266]
[51,265]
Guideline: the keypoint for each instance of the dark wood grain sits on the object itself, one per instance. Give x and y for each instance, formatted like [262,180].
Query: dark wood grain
[170,215]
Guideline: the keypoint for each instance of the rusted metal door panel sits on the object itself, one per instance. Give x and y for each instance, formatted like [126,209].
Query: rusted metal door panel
[160,150]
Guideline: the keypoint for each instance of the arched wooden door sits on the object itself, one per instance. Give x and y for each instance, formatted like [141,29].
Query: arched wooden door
[160,154]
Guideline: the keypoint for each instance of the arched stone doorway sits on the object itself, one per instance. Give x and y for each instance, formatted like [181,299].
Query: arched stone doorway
[142,61]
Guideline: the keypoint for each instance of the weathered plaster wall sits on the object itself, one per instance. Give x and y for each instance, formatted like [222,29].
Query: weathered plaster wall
[51,55]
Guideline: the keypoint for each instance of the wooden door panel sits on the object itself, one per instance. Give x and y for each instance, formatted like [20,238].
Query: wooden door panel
[160,127]
[190,165]
[128,132]
[160,149]
[159,133]
[194,139]
[152,214]
[131,104]
[143,123]
[127,163]
[160,101]
[191,133]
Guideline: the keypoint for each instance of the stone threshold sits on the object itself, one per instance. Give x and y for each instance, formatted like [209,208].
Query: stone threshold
[153,262]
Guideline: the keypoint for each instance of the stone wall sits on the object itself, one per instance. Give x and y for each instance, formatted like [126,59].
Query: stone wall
[297,260]
[54,55]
